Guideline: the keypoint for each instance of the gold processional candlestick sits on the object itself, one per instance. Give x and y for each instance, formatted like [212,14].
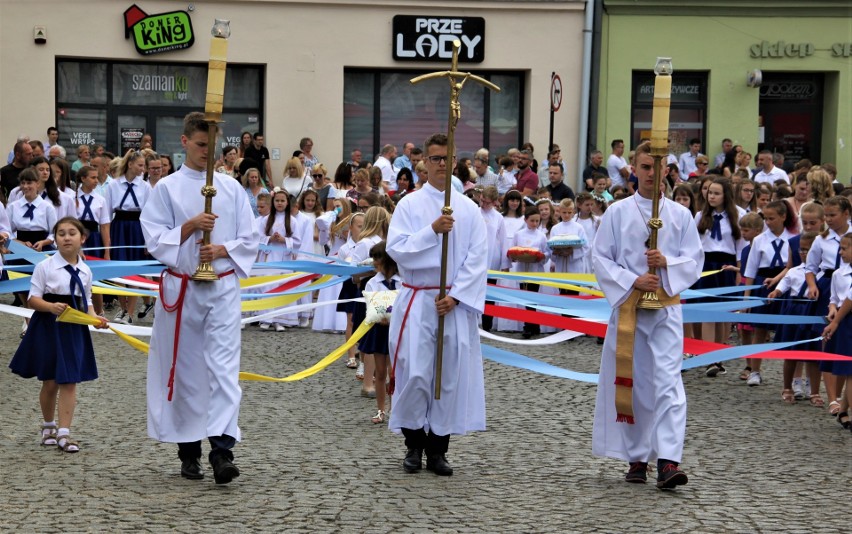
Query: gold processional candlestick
[213,115]
[457,80]
[659,150]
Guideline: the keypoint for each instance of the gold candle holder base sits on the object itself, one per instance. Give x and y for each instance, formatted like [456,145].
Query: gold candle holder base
[204,273]
[649,301]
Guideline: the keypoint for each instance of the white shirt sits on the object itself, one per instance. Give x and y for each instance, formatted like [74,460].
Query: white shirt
[840,284]
[762,252]
[100,213]
[613,165]
[44,216]
[686,162]
[388,176]
[770,177]
[117,189]
[50,276]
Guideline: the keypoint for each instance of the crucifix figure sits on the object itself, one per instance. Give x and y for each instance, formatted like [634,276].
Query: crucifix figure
[457,80]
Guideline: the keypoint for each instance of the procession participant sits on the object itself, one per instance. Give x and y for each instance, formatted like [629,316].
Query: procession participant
[193,390]
[656,429]
[414,242]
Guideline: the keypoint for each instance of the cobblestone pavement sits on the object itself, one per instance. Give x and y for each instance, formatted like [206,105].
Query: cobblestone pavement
[311,460]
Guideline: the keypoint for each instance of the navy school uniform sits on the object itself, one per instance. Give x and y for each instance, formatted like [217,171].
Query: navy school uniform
[125,200]
[841,341]
[767,259]
[92,212]
[794,302]
[32,221]
[52,350]
[720,249]
[823,259]
[376,340]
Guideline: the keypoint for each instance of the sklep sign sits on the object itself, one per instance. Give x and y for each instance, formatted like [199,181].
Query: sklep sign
[154,34]
[417,38]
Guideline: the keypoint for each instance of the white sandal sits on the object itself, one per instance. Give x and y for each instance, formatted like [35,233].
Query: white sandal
[48,435]
[379,417]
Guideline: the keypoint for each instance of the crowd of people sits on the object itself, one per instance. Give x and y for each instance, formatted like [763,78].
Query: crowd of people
[783,228]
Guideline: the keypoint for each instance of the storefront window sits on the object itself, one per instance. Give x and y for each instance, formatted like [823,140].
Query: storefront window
[412,113]
[112,102]
[687,118]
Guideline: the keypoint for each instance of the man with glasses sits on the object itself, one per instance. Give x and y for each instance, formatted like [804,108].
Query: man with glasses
[526,179]
[415,237]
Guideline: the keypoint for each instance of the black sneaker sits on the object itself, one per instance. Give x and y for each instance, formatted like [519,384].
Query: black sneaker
[715,370]
[638,473]
[145,311]
[671,476]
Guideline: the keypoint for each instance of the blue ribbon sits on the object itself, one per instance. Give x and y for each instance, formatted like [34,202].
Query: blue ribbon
[716,231]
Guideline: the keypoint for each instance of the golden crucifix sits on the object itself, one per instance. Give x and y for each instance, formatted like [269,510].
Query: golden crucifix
[457,81]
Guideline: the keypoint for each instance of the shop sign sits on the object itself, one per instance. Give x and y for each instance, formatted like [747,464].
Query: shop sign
[82,138]
[789,90]
[682,91]
[766,49]
[421,38]
[154,34]
[131,138]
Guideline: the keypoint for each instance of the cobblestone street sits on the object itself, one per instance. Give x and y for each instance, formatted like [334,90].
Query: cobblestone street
[311,460]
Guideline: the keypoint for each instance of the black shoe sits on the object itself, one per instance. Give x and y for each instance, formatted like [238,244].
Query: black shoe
[413,461]
[191,469]
[145,311]
[670,477]
[224,470]
[638,473]
[437,463]
[526,335]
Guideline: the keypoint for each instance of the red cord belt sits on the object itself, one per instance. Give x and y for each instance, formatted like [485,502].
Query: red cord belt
[392,381]
[178,307]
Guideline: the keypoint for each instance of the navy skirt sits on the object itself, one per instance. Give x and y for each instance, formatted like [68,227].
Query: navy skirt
[795,332]
[375,341]
[820,308]
[348,290]
[714,261]
[840,343]
[93,240]
[126,232]
[774,306]
[56,351]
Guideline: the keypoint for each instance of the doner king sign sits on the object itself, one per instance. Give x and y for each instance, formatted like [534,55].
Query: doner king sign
[422,38]
[154,34]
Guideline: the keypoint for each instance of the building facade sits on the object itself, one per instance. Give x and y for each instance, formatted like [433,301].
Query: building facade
[337,71]
[774,75]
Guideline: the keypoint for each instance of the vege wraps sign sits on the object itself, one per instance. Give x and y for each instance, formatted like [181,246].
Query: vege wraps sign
[154,34]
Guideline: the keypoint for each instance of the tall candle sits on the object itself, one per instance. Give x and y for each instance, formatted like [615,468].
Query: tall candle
[662,103]
[216,74]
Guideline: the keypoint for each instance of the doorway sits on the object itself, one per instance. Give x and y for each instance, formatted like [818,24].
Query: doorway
[791,112]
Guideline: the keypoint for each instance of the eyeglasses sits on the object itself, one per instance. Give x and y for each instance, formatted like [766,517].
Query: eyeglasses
[435,160]
[318,175]
[751,191]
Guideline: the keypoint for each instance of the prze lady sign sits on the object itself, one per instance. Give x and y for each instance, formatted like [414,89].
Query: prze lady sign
[418,38]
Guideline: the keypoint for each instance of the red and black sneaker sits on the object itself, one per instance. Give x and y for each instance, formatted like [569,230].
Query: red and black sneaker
[671,476]
[638,473]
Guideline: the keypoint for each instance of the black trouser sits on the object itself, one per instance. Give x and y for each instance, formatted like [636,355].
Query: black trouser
[433,443]
[219,446]
[487,320]
[531,328]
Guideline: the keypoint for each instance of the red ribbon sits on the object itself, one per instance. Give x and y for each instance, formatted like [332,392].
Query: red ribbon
[178,307]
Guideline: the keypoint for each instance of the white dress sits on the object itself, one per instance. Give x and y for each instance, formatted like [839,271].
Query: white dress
[206,394]
[327,318]
[417,251]
[659,401]
[512,226]
[282,252]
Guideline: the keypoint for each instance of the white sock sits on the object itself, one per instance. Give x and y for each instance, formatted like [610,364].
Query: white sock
[62,432]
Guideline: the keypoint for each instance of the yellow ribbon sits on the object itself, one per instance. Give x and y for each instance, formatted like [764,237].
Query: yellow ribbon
[70,315]
[624,345]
